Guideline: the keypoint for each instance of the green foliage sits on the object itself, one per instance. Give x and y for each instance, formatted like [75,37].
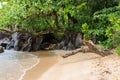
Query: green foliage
[115,31]
[118,50]
[86,31]
[45,15]
[110,19]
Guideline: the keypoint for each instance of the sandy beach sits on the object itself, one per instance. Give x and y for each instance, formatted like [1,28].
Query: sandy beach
[82,66]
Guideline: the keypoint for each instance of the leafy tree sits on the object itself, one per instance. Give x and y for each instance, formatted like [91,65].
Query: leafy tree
[109,19]
[40,15]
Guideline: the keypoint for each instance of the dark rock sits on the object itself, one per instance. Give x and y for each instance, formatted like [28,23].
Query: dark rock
[26,42]
[48,39]
[61,45]
[4,35]
[43,46]
[27,46]
[37,43]
[70,41]
[4,42]
[70,46]
[78,41]
[15,36]
[17,45]
[1,49]
[10,45]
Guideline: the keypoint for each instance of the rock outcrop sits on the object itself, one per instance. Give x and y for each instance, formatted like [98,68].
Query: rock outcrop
[70,41]
[26,42]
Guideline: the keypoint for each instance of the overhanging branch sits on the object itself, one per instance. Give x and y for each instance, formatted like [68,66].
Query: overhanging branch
[24,31]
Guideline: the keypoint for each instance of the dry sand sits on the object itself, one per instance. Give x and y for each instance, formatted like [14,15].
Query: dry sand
[82,66]
[88,66]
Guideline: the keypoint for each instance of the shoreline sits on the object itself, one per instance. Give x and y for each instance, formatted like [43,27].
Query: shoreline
[24,73]
[47,60]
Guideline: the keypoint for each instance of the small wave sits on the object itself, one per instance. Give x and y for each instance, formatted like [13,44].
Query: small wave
[13,64]
[24,72]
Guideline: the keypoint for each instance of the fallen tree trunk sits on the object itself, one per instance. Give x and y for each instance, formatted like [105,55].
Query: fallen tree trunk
[93,48]
[72,53]
[90,48]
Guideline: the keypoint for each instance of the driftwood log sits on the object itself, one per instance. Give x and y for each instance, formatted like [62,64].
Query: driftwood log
[89,47]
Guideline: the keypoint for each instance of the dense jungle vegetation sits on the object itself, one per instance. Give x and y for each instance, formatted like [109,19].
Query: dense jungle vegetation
[98,20]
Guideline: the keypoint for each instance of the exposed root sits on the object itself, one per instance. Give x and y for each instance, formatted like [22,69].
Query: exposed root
[90,48]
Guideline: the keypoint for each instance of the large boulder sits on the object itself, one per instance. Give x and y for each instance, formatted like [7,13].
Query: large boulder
[14,41]
[70,41]
[14,36]
[10,44]
[4,42]
[27,46]
[38,42]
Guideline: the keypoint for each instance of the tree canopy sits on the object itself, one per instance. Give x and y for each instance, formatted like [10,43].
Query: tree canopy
[40,14]
[96,19]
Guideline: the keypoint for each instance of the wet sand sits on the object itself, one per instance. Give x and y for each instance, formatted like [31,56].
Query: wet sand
[47,60]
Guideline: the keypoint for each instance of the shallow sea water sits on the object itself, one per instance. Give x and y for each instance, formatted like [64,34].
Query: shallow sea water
[14,64]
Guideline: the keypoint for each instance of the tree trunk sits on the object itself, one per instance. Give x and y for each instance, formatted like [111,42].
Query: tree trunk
[91,48]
